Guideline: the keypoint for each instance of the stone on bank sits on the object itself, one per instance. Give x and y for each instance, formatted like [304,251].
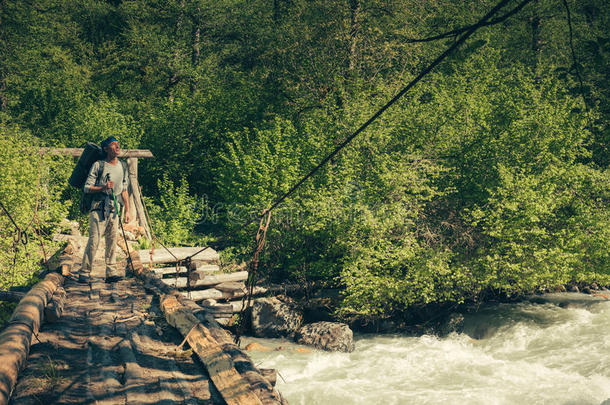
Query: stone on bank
[272,317]
[332,336]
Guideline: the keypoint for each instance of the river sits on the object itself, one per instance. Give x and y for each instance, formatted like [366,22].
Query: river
[552,350]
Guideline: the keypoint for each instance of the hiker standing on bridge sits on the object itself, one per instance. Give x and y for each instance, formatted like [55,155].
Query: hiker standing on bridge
[104,177]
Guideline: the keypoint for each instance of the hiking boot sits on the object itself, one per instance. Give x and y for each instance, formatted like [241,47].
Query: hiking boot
[84,279]
[114,279]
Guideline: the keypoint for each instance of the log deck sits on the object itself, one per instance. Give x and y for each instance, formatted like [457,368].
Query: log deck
[110,324]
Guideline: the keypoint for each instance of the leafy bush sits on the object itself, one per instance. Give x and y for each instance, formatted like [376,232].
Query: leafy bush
[479,187]
[174,214]
[31,184]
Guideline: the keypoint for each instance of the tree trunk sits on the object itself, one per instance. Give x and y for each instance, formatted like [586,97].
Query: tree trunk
[3,102]
[536,40]
[174,77]
[355,7]
[16,338]
[196,49]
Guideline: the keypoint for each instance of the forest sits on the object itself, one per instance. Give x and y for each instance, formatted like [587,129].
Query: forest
[488,179]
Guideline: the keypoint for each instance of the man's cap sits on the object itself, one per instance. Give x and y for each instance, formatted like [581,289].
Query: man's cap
[108,141]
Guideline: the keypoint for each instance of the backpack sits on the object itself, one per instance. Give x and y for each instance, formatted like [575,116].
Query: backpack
[91,154]
[88,199]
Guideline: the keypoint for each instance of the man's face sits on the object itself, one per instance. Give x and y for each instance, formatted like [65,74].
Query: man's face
[113,150]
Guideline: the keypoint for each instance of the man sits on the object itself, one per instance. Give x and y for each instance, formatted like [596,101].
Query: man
[103,218]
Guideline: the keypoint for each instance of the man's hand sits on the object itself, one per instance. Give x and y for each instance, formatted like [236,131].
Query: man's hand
[127,217]
[109,185]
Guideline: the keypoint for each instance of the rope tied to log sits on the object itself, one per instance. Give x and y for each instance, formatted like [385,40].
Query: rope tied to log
[181,345]
[261,237]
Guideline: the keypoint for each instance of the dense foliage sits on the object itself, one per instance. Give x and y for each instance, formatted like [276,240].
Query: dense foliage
[31,189]
[490,177]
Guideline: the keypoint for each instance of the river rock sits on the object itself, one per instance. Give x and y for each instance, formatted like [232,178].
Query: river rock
[272,317]
[453,323]
[257,347]
[331,336]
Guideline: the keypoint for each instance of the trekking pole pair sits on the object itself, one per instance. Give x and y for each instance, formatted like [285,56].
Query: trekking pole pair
[116,207]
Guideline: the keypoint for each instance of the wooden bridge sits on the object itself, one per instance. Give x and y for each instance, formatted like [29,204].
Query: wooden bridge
[137,341]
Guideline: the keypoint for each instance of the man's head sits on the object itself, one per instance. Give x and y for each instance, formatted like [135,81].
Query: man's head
[111,146]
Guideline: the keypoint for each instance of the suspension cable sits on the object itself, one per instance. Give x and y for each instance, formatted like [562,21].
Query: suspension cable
[467,32]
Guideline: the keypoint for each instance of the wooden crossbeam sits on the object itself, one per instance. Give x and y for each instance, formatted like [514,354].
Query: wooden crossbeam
[76,152]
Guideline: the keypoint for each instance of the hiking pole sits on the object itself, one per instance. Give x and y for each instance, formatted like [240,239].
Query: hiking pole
[116,207]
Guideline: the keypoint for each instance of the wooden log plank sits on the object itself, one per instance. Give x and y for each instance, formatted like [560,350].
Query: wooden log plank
[164,271]
[232,387]
[76,152]
[270,374]
[16,338]
[200,274]
[243,363]
[132,209]
[163,256]
[232,287]
[134,190]
[228,308]
[55,307]
[200,267]
[209,294]
[231,291]
[209,281]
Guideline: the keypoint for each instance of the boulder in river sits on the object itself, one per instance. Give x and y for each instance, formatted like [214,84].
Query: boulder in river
[453,323]
[331,336]
[272,317]
[257,347]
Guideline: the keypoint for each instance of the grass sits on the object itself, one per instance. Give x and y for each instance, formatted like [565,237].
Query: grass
[51,372]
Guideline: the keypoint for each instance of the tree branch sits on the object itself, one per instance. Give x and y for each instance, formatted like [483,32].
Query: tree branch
[454,33]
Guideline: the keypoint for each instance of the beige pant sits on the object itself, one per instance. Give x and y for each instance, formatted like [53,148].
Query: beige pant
[97,228]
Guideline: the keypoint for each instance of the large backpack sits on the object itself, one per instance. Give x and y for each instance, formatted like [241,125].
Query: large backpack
[91,154]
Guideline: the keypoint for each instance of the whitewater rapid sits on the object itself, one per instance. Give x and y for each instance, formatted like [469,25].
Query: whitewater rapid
[552,352]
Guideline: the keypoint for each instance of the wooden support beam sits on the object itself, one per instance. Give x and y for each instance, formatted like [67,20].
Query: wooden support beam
[134,190]
[196,275]
[208,281]
[76,152]
[161,255]
[224,292]
[209,294]
[16,338]
[227,309]
[232,387]
[200,267]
